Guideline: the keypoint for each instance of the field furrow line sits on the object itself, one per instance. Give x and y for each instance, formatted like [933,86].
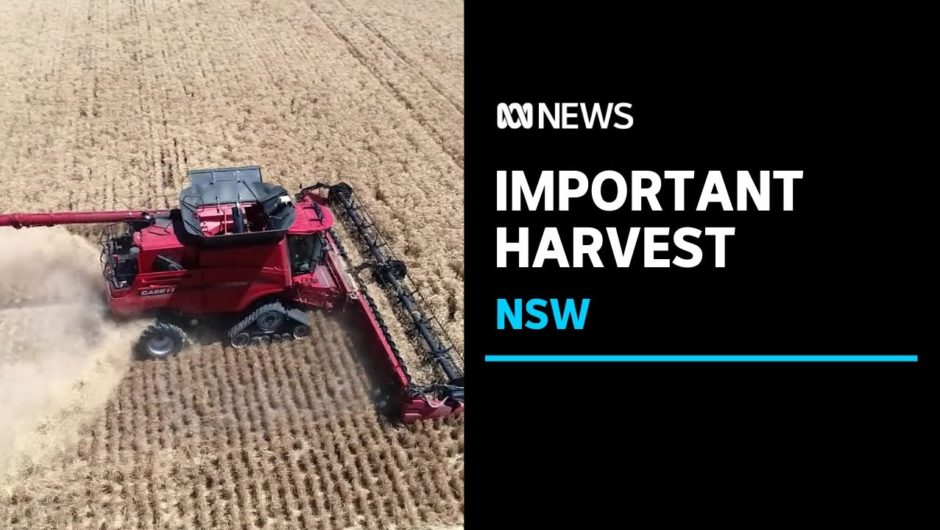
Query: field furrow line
[404,59]
[453,148]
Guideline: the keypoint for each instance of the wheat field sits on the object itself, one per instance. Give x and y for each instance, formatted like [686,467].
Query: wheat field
[106,105]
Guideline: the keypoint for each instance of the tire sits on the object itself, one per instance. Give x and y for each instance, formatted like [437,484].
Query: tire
[270,321]
[161,341]
[241,340]
[301,331]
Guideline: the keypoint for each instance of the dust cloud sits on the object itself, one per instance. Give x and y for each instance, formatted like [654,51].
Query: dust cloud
[60,355]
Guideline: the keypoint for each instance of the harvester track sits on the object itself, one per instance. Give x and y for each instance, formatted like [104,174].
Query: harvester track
[294,319]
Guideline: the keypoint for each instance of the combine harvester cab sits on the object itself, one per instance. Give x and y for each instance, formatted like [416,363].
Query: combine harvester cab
[441,398]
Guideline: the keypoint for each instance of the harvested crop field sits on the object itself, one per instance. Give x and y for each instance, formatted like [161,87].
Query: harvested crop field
[106,105]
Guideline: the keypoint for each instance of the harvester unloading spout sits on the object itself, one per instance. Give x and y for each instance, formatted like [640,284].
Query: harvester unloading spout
[28,220]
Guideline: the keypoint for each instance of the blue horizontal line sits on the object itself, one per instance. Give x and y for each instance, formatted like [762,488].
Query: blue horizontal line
[700,358]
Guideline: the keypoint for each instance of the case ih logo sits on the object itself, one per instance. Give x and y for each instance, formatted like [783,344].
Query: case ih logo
[564,115]
[155,292]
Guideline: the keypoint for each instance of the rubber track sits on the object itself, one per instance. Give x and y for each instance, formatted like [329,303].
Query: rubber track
[253,316]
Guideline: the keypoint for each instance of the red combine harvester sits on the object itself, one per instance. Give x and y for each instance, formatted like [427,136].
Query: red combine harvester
[251,253]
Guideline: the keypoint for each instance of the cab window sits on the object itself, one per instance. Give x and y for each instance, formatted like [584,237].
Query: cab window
[305,252]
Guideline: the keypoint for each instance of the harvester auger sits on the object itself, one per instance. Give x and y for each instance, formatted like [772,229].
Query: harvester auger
[251,253]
